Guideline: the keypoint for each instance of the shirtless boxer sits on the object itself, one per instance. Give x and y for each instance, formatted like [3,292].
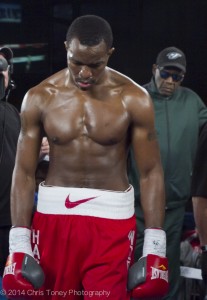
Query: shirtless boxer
[83,232]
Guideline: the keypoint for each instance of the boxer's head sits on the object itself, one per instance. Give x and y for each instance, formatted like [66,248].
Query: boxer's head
[89,45]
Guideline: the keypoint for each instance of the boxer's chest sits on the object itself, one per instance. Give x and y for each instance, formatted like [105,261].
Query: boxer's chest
[104,121]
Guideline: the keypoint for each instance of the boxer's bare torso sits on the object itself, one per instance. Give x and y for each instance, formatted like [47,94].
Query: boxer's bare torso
[88,131]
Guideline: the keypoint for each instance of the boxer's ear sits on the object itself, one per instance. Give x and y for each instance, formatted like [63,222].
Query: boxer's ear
[111,51]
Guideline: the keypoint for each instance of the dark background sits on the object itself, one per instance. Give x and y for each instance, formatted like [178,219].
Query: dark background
[141,29]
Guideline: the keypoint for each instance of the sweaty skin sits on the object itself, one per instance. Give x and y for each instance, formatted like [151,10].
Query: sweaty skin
[90,115]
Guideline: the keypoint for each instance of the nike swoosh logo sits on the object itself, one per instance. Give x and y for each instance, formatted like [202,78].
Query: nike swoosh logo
[69,204]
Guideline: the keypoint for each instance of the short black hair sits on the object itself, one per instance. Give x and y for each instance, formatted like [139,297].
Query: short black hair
[90,30]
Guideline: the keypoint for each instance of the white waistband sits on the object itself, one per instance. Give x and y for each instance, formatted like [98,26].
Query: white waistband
[86,202]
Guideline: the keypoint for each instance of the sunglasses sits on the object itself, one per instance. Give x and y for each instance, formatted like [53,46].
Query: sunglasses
[165,75]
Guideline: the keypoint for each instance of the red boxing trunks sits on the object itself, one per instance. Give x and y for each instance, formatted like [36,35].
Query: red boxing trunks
[84,241]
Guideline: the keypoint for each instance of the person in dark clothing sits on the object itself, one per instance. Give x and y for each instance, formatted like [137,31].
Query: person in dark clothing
[179,114]
[199,199]
[9,132]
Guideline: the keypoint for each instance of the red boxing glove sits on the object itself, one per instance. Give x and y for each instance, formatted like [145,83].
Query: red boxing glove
[148,277]
[22,274]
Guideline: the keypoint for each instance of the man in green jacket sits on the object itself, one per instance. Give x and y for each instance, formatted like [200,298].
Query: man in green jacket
[179,114]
